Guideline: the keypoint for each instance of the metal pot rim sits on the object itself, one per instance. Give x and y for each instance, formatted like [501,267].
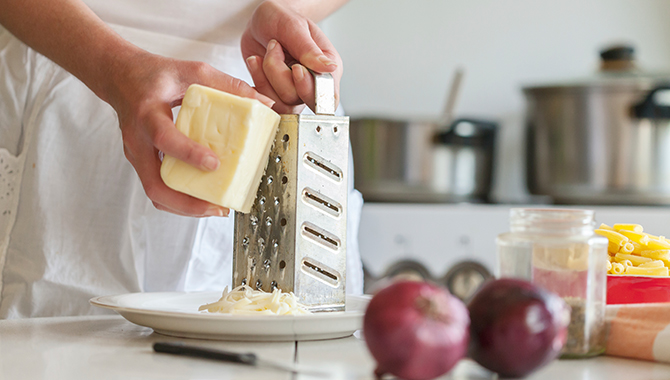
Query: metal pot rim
[603,82]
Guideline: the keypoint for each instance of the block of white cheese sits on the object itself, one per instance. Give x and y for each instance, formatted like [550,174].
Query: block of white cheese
[239,130]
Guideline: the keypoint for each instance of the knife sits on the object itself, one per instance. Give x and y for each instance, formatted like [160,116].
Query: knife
[249,358]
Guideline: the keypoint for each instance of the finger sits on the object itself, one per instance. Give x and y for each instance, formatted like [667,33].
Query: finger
[263,86]
[261,83]
[304,84]
[168,139]
[211,77]
[279,74]
[299,40]
[329,50]
[250,46]
[147,166]
[213,210]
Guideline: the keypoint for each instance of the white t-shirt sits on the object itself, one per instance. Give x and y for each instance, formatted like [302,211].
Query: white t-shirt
[74,219]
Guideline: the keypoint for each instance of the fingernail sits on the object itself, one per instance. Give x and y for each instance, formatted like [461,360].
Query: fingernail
[265,100]
[327,61]
[271,45]
[252,63]
[211,163]
[299,72]
[216,211]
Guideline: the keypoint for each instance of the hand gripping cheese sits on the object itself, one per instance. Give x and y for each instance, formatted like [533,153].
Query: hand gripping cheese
[239,130]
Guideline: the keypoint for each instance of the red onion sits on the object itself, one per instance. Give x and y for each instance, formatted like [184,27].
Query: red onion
[415,330]
[517,327]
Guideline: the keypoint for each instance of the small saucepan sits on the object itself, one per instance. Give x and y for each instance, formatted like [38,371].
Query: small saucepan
[405,161]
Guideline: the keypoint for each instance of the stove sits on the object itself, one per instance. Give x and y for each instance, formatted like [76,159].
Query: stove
[454,244]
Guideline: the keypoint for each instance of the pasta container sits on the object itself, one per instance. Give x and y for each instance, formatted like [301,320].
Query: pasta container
[626,289]
[558,250]
[294,238]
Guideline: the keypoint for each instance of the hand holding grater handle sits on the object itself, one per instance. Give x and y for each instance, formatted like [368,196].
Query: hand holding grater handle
[295,236]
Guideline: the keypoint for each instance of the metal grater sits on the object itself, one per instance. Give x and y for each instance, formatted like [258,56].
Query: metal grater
[295,236]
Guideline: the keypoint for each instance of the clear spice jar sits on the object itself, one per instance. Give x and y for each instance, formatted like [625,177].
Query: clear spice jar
[558,250]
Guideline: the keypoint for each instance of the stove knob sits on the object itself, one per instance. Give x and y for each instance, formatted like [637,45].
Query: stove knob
[465,278]
[406,270]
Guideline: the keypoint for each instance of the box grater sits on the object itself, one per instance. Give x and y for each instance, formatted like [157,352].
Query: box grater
[294,238]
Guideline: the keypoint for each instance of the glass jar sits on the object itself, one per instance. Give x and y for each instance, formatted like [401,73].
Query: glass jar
[558,250]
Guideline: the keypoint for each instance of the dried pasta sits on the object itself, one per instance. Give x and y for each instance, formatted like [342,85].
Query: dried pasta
[613,236]
[635,252]
[627,248]
[628,227]
[637,237]
[613,248]
[618,268]
[635,260]
[652,264]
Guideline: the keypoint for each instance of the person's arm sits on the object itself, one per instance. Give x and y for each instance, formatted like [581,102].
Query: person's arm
[141,87]
[315,10]
[281,39]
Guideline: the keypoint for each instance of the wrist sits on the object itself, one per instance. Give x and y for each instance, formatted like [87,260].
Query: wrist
[118,65]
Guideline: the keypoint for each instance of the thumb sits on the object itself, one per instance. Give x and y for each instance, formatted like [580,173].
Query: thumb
[209,76]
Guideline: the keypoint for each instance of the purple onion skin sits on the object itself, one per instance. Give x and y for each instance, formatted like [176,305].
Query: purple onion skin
[516,327]
[416,330]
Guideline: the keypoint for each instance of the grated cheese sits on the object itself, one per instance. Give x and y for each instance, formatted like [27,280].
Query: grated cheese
[245,300]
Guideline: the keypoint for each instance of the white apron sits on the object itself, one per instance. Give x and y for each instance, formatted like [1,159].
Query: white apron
[74,219]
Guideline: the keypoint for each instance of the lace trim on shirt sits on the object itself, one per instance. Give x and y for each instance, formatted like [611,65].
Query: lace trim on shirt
[9,175]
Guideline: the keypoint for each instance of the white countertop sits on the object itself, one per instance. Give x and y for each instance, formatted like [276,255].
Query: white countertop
[109,347]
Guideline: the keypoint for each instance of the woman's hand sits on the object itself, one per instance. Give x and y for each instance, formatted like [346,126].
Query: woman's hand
[143,87]
[146,89]
[278,45]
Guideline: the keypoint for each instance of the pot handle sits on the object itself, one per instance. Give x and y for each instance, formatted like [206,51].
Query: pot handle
[649,109]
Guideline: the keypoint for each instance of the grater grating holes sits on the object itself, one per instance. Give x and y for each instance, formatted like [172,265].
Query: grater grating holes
[323,166]
[321,202]
[320,236]
[321,272]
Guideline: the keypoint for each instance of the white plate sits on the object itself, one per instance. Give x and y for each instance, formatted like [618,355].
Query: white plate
[177,314]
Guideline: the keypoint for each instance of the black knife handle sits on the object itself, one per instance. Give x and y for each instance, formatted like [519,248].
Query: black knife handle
[207,353]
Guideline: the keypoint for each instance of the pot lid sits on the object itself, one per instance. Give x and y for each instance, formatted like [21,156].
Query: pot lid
[618,70]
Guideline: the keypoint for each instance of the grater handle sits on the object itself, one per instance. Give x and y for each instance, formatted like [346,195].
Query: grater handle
[324,94]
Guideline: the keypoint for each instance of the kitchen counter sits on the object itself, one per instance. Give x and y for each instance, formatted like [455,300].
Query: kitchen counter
[109,347]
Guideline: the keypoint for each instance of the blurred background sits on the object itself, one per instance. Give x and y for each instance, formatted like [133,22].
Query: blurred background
[401,59]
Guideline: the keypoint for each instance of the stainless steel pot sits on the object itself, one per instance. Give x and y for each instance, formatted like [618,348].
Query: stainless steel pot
[399,161]
[601,141]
